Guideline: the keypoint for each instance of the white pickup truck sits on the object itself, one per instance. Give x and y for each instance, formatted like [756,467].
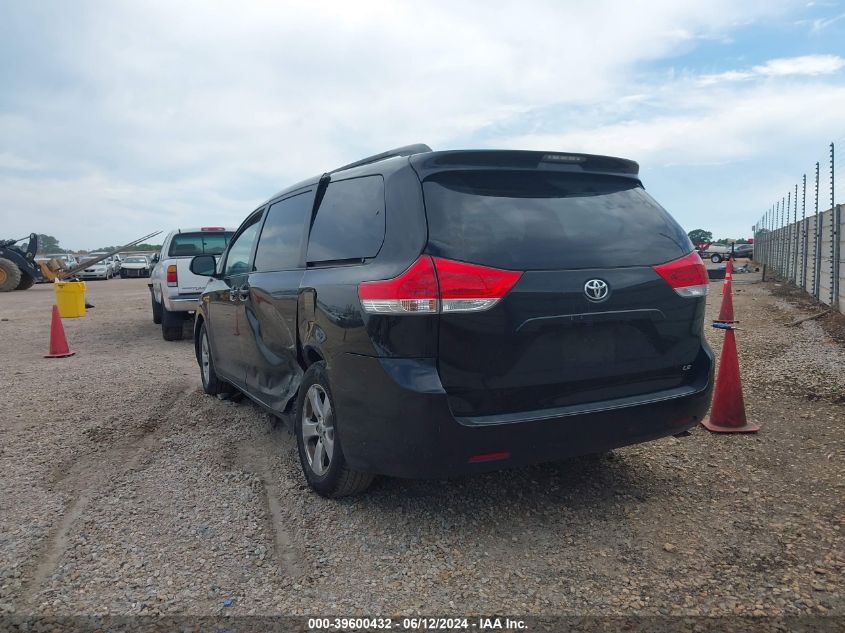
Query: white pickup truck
[716,253]
[174,289]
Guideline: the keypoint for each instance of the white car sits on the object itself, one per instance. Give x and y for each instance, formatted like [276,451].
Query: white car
[103,269]
[174,289]
[135,266]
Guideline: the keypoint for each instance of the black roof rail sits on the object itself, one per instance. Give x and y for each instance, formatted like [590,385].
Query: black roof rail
[405,150]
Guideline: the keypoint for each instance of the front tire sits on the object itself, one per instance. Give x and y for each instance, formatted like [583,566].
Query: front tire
[27,281]
[716,259]
[10,275]
[211,384]
[320,452]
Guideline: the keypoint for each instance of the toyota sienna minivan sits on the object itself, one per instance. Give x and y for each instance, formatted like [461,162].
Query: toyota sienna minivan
[431,314]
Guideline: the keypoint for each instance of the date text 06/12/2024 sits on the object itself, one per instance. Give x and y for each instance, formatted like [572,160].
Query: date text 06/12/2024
[418,624]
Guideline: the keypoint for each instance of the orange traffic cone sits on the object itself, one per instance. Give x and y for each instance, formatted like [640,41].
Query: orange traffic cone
[726,311]
[58,342]
[727,415]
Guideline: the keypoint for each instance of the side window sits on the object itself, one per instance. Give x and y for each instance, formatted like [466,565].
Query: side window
[237,260]
[350,221]
[281,238]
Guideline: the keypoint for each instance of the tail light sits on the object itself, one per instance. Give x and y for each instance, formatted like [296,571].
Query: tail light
[432,284]
[687,276]
[415,291]
[470,287]
[172,279]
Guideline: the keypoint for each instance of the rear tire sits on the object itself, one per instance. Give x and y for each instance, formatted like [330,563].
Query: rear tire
[716,259]
[211,384]
[27,281]
[10,275]
[172,325]
[316,438]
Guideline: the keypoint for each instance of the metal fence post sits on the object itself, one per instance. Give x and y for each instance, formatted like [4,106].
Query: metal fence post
[767,218]
[788,237]
[775,243]
[772,238]
[787,250]
[804,233]
[834,238]
[817,255]
[783,242]
[779,243]
[769,237]
[765,252]
[794,233]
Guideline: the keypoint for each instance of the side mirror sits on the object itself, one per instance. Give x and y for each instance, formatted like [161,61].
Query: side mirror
[154,258]
[204,265]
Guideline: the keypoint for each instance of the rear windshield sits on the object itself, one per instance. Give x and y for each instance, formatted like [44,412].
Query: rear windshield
[188,244]
[545,220]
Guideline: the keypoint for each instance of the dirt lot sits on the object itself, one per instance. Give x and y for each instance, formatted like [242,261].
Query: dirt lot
[125,490]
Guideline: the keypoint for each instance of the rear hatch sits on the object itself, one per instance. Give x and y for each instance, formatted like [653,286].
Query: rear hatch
[589,320]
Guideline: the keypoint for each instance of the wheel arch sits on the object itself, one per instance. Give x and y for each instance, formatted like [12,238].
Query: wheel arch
[310,354]
[199,320]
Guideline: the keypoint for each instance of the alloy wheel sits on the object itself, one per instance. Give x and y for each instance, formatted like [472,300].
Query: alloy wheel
[205,358]
[317,428]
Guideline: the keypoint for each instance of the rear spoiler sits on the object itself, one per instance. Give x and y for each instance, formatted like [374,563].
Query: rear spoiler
[432,162]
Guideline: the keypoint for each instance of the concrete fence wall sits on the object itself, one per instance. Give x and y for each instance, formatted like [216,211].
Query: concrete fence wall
[808,253]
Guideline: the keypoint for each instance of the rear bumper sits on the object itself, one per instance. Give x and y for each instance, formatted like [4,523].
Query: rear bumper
[182,303]
[394,419]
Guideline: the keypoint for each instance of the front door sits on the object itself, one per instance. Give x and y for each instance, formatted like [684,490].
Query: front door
[270,348]
[227,297]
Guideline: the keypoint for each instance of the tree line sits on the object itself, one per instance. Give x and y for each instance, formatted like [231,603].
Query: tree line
[700,236]
[49,244]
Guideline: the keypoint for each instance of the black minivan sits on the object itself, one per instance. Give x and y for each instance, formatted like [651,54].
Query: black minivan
[429,314]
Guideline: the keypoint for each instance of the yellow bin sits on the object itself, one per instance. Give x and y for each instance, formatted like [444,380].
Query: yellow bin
[70,297]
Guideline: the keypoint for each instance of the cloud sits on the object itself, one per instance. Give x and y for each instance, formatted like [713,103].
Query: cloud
[728,75]
[12,162]
[716,156]
[807,65]
[153,115]
[695,126]
[820,24]
[804,65]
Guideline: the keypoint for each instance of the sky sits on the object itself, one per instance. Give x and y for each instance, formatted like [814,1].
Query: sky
[121,118]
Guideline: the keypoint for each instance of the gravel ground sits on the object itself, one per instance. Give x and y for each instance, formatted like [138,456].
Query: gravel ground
[125,490]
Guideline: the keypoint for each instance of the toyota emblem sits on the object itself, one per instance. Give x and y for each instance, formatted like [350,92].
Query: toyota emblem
[596,290]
